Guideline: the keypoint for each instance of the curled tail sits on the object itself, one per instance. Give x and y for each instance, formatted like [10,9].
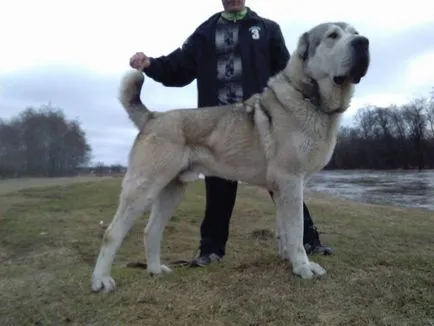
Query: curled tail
[129,96]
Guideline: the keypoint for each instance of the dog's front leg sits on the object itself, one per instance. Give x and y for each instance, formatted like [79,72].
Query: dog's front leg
[289,220]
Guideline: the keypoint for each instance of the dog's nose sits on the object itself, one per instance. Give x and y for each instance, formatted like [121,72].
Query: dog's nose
[360,43]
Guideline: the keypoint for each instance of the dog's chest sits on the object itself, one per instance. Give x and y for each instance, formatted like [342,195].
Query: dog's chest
[319,154]
[313,151]
[318,142]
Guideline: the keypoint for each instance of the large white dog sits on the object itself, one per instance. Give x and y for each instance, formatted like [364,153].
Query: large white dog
[277,140]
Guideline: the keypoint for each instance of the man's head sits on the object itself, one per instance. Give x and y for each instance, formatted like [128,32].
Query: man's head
[233,5]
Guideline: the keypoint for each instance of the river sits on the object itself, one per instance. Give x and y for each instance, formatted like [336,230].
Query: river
[400,188]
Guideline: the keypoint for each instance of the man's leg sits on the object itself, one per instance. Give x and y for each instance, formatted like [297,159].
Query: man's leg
[311,240]
[214,230]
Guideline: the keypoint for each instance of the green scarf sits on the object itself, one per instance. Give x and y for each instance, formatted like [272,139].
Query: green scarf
[234,16]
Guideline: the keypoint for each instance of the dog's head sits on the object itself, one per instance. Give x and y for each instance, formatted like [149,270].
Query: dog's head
[330,59]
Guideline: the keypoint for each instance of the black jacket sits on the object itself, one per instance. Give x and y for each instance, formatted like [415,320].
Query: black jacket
[261,58]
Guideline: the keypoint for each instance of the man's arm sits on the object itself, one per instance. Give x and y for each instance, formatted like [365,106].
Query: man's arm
[176,69]
[279,52]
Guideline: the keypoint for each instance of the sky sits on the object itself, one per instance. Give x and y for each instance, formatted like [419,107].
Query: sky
[73,54]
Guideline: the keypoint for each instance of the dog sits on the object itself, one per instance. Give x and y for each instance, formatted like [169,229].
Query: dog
[276,140]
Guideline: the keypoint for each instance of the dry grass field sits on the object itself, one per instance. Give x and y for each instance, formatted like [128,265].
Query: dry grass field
[382,272]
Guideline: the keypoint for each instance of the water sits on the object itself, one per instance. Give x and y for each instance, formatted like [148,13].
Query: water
[399,188]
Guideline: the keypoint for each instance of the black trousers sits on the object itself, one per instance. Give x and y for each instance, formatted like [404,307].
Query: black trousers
[220,201]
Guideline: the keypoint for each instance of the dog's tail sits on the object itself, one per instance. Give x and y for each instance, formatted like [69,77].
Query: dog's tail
[129,96]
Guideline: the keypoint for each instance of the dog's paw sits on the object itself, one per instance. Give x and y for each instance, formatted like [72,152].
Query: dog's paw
[158,269]
[309,270]
[103,284]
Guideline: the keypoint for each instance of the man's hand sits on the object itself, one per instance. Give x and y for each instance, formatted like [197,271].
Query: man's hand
[139,61]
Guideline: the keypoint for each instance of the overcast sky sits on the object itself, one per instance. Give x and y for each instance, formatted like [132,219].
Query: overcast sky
[74,53]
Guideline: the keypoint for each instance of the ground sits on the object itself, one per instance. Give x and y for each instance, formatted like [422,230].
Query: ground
[381,272]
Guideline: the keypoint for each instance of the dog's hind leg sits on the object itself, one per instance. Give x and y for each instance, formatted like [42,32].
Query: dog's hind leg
[162,210]
[136,198]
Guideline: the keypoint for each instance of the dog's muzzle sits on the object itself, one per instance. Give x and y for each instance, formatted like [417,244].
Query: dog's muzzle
[359,64]
[360,59]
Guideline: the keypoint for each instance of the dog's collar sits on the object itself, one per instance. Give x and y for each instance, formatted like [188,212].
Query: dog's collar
[312,95]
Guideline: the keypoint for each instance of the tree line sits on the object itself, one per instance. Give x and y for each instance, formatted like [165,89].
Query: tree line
[42,142]
[395,137]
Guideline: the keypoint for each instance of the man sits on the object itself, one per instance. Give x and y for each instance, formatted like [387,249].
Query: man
[231,55]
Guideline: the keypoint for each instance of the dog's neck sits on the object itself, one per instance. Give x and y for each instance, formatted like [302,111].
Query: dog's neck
[311,90]
[308,89]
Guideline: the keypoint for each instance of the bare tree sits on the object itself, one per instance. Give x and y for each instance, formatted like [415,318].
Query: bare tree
[430,112]
[414,114]
[42,142]
[388,138]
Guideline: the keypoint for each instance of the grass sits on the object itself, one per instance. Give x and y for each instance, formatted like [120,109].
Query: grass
[381,272]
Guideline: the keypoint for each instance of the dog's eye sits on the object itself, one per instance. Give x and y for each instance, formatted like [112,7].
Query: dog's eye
[333,35]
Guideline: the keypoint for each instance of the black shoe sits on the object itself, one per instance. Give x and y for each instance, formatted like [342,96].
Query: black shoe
[205,259]
[313,245]
[317,249]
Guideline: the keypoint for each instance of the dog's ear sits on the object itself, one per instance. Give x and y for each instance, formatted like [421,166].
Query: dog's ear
[303,46]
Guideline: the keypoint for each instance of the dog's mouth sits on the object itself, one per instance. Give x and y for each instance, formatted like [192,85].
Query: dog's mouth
[358,69]
[340,80]
[354,76]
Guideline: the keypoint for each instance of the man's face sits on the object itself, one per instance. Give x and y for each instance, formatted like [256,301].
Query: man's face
[233,5]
